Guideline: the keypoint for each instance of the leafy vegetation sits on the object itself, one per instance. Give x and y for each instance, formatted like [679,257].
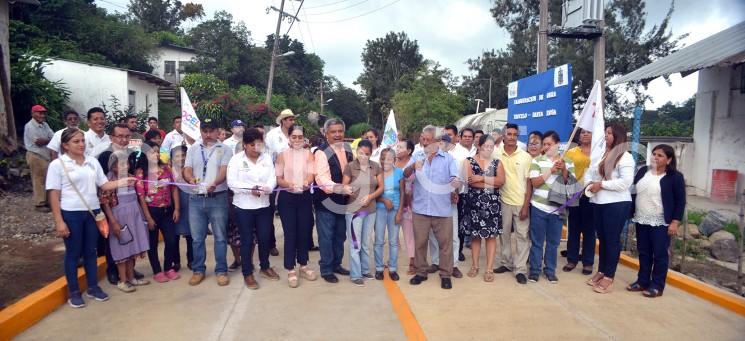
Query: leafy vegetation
[696,217]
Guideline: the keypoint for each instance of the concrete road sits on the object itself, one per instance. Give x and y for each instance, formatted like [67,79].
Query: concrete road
[472,310]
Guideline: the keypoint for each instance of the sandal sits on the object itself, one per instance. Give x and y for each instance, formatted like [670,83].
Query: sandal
[292,279]
[595,279]
[652,293]
[473,272]
[634,287]
[604,286]
[569,267]
[489,276]
[308,274]
[412,270]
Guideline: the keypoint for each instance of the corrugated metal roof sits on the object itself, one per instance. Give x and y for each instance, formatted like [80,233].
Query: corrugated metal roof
[724,48]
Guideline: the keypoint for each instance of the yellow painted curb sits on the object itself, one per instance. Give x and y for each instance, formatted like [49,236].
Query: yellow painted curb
[696,288]
[412,329]
[25,313]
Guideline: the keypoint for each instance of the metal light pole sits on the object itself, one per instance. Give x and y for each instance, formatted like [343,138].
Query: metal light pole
[478,103]
[323,103]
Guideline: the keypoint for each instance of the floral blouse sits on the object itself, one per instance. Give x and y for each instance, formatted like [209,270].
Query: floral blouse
[157,194]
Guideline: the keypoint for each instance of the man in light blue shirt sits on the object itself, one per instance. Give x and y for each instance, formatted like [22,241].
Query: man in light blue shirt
[36,136]
[434,182]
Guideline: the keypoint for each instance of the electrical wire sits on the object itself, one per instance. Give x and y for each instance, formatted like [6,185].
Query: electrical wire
[328,4]
[113,4]
[354,17]
[296,13]
[340,9]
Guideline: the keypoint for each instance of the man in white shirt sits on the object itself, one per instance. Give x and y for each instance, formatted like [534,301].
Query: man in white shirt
[206,165]
[466,142]
[36,136]
[72,120]
[96,140]
[236,127]
[278,139]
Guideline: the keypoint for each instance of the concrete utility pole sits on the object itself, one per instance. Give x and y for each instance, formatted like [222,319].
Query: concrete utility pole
[598,59]
[322,103]
[490,92]
[277,40]
[542,63]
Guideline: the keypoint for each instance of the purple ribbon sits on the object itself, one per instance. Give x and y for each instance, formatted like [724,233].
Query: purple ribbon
[360,214]
[571,200]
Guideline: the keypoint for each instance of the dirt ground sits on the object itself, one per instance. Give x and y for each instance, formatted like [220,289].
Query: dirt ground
[30,254]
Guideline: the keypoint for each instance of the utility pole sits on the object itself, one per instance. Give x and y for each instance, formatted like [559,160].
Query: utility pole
[322,103]
[277,41]
[490,92]
[542,63]
[598,60]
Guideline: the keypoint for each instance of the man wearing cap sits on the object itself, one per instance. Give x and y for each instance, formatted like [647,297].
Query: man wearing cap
[436,176]
[236,127]
[278,139]
[36,136]
[206,166]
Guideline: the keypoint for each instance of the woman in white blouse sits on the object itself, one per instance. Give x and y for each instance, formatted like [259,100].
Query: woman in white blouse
[251,177]
[72,183]
[609,186]
[660,201]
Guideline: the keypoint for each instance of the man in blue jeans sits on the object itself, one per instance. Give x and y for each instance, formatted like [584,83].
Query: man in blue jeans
[329,202]
[206,167]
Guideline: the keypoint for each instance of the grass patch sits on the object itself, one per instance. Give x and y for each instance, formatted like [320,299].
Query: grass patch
[693,249]
[733,228]
[696,217]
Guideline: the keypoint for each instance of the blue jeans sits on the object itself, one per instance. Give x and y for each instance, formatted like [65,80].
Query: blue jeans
[609,220]
[331,236]
[383,219]
[82,241]
[652,243]
[256,222]
[359,255]
[213,211]
[544,228]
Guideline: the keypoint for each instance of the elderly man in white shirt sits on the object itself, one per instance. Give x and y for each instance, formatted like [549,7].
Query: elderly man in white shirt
[252,178]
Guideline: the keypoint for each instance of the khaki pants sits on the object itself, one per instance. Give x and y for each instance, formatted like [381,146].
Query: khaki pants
[38,168]
[515,261]
[442,227]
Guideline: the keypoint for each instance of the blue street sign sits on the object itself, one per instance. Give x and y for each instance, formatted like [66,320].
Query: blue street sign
[542,102]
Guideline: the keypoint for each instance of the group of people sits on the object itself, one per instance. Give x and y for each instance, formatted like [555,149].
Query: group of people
[450,190]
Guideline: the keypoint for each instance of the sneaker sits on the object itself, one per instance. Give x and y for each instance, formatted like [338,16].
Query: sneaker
[223,280]
[359,282]
[196,278]
[552,278]
[172,275]
[139,282]
[393,275]
[502,269]
[97,294]
[368,276]
[533,278]
[234,266]
[138,274]
[125,287]
[379,275]
[160,277]
[76,300]
[521,279]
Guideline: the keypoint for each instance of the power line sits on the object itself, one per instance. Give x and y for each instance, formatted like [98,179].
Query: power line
[300,27]
[312,44]
[328,4]
[113,4]
[296,13]
[340,9]
[354,17]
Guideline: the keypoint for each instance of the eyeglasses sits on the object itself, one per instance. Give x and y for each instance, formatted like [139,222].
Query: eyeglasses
[123,136]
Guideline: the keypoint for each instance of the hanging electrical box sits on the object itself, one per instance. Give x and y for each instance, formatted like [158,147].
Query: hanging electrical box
[581,13]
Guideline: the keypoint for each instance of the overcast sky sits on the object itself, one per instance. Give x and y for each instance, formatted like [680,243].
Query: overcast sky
[448,31]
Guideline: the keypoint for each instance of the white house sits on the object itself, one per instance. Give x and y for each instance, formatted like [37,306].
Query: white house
[169,61]
[90,85]
[719,124]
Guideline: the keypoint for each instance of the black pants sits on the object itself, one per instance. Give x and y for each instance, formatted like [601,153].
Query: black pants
[254,222]
[272,238]
[296,214]
[163,217]
[189,249]
[461,235]
[580,223]
[609,220]
[652,243]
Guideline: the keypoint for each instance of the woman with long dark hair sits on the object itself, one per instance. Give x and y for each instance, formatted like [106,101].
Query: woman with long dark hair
[404,149]
[660,201]
[72,182]
[160,202]
[609,184]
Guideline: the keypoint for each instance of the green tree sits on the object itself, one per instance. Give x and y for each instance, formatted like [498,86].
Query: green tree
[163,15]
[386,62]
[431,99]
[628,47]
[223,46]
[29,87]
[346,103]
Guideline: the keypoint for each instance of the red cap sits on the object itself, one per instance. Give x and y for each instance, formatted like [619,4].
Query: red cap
[38,108]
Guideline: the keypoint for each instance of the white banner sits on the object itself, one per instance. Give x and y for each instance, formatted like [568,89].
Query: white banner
[592,120]
[390,134]
[189,120]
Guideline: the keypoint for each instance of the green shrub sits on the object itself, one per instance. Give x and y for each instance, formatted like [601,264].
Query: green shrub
[734,228]
[354,131]
[696,217]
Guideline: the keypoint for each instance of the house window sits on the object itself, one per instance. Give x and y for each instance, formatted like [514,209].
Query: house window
[132,98]
[170,67]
